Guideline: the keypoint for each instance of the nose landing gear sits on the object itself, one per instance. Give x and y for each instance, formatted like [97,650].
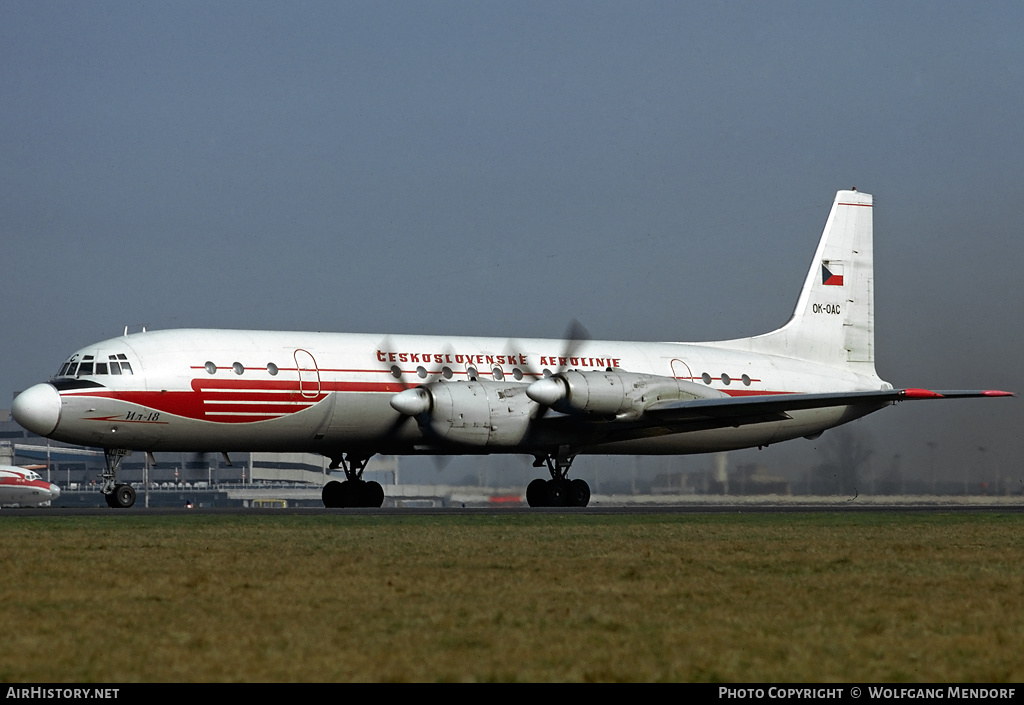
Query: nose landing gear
[118,496]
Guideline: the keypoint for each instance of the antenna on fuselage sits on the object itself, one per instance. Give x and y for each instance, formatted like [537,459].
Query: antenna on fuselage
[143,327]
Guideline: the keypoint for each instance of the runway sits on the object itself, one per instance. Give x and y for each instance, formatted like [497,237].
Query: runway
[841,506]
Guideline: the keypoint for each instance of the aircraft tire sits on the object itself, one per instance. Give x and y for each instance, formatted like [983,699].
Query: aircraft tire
[555,493]
[111,500]
[352,493]
[536,493]
[332,494]
[372,494]
[122,497]
[348,494]
[578,494]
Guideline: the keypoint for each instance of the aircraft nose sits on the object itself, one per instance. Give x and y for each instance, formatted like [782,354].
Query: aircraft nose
[54,492]
[37,409]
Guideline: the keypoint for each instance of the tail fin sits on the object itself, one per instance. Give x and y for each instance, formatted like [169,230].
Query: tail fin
[834,319]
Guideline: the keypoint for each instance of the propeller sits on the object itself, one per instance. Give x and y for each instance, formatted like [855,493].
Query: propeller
[386,346]
[575,336]
[548,391]
[414,401]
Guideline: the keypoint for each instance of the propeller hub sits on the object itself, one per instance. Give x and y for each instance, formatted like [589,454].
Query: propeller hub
[411,402]
[546,391]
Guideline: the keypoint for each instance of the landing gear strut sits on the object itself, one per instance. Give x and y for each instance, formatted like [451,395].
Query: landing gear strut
[118,496]
[559,491]
[354,491]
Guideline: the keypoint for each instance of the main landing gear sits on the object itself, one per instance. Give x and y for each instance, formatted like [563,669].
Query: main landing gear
[559,491]
[354,491]
[118,496]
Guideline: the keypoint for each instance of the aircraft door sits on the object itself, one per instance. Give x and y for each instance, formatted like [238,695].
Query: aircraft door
[309,374]
[680,370]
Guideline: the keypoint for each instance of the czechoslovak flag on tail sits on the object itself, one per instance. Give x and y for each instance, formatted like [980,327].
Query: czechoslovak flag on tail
[831,274]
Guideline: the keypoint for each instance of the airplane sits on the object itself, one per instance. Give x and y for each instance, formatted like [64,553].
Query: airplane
[351,396]
[25,487]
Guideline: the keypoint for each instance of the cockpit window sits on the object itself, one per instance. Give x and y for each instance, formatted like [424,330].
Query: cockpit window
[115,365]
[121,367]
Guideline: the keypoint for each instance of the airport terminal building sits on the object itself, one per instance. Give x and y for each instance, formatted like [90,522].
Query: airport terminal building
[77,469]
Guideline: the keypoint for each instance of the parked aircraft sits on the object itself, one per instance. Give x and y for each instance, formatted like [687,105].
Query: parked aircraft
[351,396]
[24,487]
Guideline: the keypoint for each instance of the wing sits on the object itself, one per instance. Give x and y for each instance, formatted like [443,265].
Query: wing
[681,416]
[686,415]
[738,411]
[586,408]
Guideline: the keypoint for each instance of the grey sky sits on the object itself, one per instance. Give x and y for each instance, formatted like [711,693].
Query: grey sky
[656,170]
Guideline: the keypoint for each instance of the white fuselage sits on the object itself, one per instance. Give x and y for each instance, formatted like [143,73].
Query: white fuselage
[229,390]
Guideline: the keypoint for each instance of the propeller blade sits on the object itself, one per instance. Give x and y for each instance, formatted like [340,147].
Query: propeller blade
[441,462]
[575,336]
[386,345]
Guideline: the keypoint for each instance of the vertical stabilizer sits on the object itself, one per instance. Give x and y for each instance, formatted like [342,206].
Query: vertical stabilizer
[834,319]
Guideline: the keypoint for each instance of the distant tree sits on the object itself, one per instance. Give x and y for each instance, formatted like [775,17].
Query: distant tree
[846,452]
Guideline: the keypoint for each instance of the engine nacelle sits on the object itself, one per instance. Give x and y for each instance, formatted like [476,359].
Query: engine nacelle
[499,414]
[612,393]
[474,413]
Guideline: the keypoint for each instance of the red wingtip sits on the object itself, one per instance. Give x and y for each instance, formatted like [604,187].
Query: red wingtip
[920,394]
[955,394]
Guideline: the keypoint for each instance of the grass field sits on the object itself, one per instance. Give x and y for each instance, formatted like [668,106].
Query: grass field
[514,597]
